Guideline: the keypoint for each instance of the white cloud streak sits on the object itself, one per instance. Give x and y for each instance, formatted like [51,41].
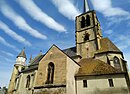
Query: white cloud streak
[123,41]
[66,8]
[37,14]
[20,22]
[7,54]
[105,7]
[108,32]
[14,35]
[4,42]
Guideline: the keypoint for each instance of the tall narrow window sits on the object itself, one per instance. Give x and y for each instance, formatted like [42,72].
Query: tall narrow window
[108,61]
[28,81]
[50,74]
[17,81]
[111,84]
[83,22]
[87,20]
[86,38]
[85,84]
[116,62]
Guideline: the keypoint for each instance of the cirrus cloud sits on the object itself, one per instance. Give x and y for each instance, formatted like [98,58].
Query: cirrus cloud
[14,35]
[19,21]
[106,8]
[66,8]
[37,14]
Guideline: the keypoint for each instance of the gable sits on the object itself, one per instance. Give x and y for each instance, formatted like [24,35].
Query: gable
[59,59]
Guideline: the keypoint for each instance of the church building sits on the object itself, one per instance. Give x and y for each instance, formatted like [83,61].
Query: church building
[93,66]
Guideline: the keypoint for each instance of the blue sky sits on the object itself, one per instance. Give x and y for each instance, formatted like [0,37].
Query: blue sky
[37,24]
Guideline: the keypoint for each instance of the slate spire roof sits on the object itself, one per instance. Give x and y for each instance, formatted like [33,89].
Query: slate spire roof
[86,6]
[70,51]
[22,53]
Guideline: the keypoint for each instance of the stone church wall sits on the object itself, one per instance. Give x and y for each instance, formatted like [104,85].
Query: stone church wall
[103,57]
[58,58]
[72,69]
[23,81]
[100,85]
[61,90]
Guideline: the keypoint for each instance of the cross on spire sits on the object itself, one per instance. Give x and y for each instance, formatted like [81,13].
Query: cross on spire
[86,6]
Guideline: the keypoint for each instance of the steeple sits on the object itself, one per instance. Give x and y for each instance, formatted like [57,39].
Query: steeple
[18,67]
[86,6]
[40,52]
[88,32]
[22,54]
[30,58]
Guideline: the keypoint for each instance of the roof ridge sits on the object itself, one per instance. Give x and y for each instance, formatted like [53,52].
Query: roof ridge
[34,59]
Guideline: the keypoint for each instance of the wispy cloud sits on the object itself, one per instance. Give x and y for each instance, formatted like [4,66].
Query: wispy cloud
[9,60]
[108,32]
[66,8]
[4,42]
[122,41]
[7,53]
[105,7]
[14,35]
[36,13]
[20,21]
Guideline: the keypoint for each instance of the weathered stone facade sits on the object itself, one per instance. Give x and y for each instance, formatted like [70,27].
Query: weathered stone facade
[59,60]
[51,91]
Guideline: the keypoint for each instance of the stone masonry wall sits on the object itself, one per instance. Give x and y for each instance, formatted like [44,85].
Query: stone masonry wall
[61,90]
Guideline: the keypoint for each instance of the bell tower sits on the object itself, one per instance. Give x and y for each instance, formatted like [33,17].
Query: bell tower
[88,33]
[19,65]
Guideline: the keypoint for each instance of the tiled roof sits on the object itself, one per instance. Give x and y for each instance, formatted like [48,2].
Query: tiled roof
[28,69]
[36,60]
[90,66]
[34,63]
[107,45]
[70,51]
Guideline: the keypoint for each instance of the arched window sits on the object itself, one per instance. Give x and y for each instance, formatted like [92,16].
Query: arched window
[28,81]
[83,22]
[50,74]
[17,81]
[86,38]
[87,20]
[116,62]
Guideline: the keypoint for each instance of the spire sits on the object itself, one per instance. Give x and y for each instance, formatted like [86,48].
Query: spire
[86,6]
[22,54]
[30,58]
[40,52]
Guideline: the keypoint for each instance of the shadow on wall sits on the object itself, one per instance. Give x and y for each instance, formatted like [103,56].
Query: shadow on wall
[111,91]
